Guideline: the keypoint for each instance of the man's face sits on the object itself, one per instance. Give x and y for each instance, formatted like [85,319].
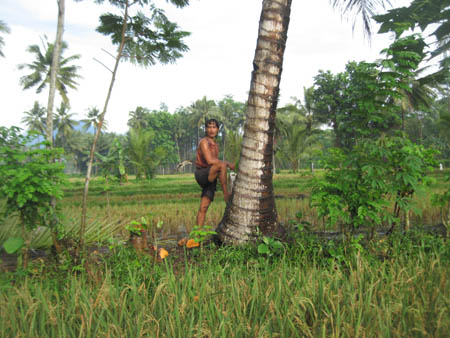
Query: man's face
[212,130]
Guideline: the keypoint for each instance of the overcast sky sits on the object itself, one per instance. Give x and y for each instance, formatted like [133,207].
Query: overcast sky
[219,62]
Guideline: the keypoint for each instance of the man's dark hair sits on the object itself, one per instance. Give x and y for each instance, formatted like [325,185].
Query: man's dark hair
[209,121]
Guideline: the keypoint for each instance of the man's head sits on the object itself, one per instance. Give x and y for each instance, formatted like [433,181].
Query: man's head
[210,121]
[212,128]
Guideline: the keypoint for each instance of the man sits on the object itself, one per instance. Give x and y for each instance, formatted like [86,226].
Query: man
[209,168]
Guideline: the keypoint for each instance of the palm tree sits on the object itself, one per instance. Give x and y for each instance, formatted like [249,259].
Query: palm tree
[201,110]
[299,143]
[3,29]
[231,115]
[64,125]
[55,70]
[92,120]
[137,118]
[144,159]
[252,206]
[35,118]
[41,69]
[234,143]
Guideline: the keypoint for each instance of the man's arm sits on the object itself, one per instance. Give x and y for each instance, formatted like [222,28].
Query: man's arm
[210,159]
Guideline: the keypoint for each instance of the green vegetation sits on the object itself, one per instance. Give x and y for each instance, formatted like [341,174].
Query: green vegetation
[305,285]
[31,180]
[397,286]
[337,266]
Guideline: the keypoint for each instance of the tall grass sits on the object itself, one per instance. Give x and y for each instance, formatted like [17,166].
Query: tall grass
[229,292]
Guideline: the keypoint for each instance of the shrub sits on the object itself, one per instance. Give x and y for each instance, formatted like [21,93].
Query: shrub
[31,178]
[358,185]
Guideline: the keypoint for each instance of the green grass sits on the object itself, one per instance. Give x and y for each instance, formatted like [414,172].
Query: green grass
[393,287]
[234,292]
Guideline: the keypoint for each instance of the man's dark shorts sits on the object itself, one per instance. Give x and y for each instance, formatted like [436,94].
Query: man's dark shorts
[208,188]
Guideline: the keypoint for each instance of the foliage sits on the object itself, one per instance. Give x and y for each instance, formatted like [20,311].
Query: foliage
[422,14]
[41,68]
[31,181]
[137,227]
[443,201]
[201,110]
[113,164]
[162,123]
[200,233]
[3,29]
[355,103]
[270,246]
[35,119]
[137,118]
[298,135]
[144,159]
[30,177]
[64,125]
[149,38]
[370,293]
[357,185]
[13,244]
[233,148]
[92,120]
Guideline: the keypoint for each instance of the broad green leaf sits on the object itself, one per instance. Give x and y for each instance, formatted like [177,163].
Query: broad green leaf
[263,249]
[13,244]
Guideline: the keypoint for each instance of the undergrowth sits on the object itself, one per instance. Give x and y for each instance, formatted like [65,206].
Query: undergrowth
[396,286]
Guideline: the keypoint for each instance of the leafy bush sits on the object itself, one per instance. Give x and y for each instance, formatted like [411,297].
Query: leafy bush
[357,186]
[31,178]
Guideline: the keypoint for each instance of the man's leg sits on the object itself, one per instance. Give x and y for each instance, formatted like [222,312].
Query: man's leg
[204,204]
[220,170]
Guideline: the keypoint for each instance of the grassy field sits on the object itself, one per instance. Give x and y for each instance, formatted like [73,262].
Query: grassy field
[389,287]
[174,200]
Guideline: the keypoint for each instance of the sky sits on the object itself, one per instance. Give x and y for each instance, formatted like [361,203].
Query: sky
[219,62]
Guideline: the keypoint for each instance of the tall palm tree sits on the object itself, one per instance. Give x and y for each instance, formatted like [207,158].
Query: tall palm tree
[252,206]
[92,120]
[299,143]
[64,125]
[201,110]
[35,118]
[144,159]
[3,29]
[41,68]
[234,143]
[231,115]
[137,118]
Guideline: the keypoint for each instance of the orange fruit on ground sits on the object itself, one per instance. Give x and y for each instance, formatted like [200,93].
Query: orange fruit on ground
[163,253]
[192,244]
[182,242]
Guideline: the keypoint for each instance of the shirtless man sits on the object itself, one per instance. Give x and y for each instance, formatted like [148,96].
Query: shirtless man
[209,168]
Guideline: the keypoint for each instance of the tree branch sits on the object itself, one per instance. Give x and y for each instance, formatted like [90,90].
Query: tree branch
[109,53]
[103,65]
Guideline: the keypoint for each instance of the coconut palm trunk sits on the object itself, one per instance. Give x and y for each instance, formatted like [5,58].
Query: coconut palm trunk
[51,101]
[54,70]
[252,206]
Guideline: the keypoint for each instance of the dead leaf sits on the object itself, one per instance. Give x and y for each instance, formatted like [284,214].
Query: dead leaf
[191,244]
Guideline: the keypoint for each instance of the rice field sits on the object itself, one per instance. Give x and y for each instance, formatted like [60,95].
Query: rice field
[390,287]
